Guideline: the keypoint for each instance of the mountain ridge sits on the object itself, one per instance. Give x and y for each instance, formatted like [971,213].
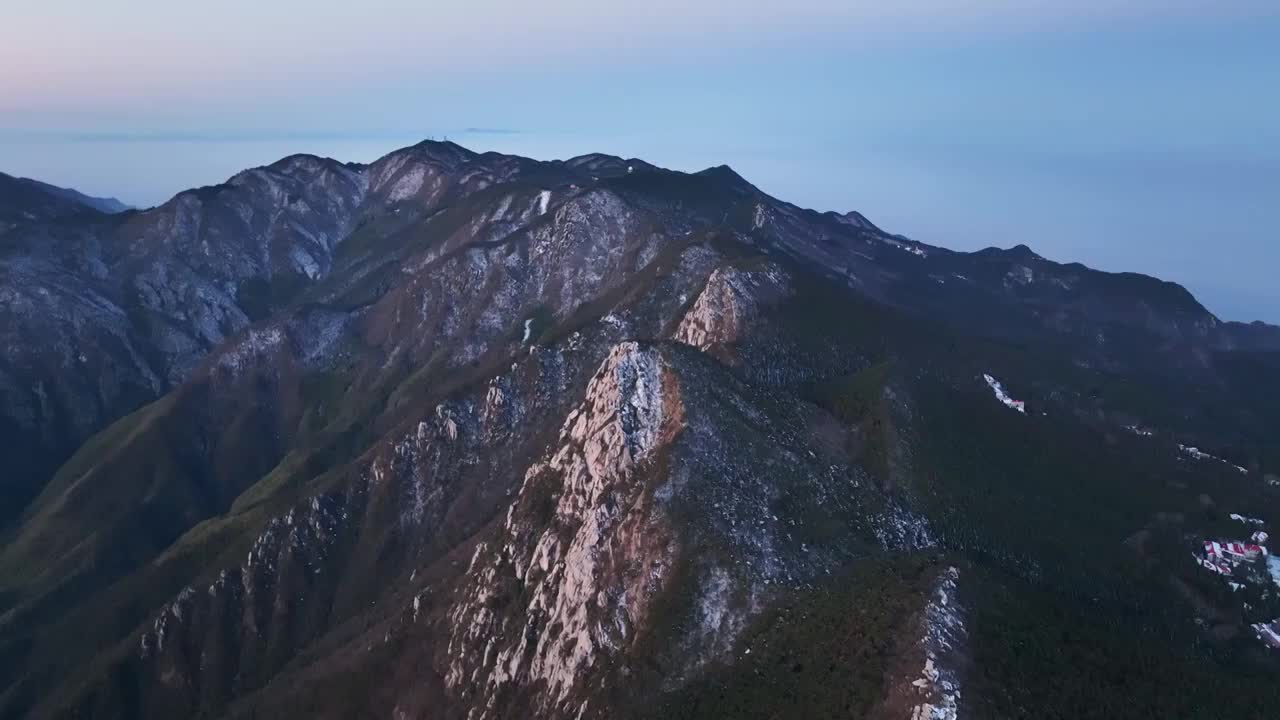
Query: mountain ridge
[436,405]
[108,205]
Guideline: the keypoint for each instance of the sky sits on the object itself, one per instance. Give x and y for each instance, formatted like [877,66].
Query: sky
[1138,136]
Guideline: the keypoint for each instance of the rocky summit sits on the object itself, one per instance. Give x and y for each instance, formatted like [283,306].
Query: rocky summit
[474,436]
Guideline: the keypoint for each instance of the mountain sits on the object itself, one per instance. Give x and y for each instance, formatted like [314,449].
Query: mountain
[22,201]
[471,435]
[106,205]
[26,200]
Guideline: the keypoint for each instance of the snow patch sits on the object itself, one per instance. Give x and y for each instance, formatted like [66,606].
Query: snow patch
[1246,520]
[906,247]
[256,344]
[1019,275]
[1268,633]
[1197,454]
[1003,397]
[408,184]
[304,263]
[943,630]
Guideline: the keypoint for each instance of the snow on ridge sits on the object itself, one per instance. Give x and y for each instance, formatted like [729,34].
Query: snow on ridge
[906,247]
[1246,520]
[304,263]
[255,344]
[544,199]
[503,207]
[943,630]
[760,217]
[408,184]
[569,561]
[1003,397]
[1266,632]
[1197,454]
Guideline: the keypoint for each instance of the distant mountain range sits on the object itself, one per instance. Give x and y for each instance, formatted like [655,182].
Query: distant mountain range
[24,201]
[106,205]
[464,435]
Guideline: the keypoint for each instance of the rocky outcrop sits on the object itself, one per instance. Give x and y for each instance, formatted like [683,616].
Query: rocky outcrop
[104,314]
[579,558]
[101,314]
[732,299]
[926,677]
[665,456]
[943,644]
[207,646]
[403,504]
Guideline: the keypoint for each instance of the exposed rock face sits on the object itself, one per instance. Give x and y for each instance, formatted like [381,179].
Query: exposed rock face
[104,314]
[943,642]
[460,453]
[931,658]
[578,546]
[101,314]
[555,602]
[263,601]
[274,362]
[731,300]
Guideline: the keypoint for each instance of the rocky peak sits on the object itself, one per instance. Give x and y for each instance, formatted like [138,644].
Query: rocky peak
[731,300]
[599,165]
[577,541]
[730,179]
[445,151]
[568,585]
[858,220]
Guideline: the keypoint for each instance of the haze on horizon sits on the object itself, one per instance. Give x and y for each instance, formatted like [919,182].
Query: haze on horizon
[1140,136]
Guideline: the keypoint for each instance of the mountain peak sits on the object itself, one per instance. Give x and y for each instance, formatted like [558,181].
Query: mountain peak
[603,165]
[301,160]
[1019,253]
[723,171]
[728,176]
[445,150]
[856,219]
[1023,252]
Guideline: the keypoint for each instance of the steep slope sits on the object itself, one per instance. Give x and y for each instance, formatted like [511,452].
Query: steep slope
[669,502]
[466,435]
[102,314]
[441,328]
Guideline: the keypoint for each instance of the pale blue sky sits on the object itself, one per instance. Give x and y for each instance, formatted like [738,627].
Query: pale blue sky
[1144,137]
